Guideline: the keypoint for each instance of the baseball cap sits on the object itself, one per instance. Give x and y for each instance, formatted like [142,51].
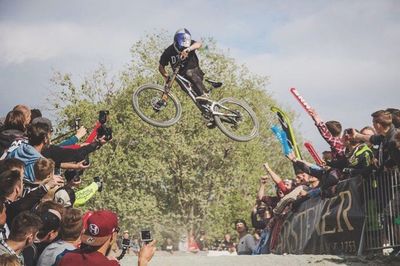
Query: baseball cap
[44,121]
[241,221]
[100,226]
[65,196]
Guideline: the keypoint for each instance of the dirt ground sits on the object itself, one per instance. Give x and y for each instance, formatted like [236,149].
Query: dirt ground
[204,259]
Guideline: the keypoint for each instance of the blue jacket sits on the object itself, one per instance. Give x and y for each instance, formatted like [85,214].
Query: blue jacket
[28,155]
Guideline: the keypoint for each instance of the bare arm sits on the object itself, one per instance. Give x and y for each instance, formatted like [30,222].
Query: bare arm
[163,72]
[272,174]
[263,181]
[359,137]
[77,166]
[194,46]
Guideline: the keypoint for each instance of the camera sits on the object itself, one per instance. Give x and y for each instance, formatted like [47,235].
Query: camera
[73,175]
[126,242]
[103,130]
[77,123]
[145,236]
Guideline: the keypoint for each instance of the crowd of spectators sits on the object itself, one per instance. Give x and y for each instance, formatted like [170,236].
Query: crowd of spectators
[352,152]
[40,223]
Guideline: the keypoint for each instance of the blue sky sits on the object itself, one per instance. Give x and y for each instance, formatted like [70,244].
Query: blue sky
[343,56]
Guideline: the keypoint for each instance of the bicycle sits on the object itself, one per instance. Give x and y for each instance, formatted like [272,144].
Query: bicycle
[234,118]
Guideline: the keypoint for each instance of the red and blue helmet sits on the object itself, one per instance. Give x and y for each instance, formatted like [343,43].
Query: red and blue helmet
[182,39]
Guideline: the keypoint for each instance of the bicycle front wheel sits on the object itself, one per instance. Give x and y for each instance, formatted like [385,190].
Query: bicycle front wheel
[147,103]
[236,119]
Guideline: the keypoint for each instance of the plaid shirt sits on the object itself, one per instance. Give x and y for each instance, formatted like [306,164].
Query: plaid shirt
[337,146]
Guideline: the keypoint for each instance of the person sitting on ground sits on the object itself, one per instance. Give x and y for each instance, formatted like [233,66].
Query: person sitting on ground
[330,131]
[70,232]
[385,137]
[247,243]
[23,233]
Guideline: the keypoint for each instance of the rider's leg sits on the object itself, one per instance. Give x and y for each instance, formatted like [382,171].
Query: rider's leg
[195,75]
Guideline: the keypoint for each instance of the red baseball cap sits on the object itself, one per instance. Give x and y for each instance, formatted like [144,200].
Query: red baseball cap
[100,226]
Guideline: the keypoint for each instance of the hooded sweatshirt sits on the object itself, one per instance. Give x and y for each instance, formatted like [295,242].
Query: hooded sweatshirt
[28,155]
[49,255]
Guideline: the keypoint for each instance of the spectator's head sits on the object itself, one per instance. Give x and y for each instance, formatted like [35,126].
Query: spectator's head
[288,184]
[71,225]
[125,234]
[327,156]
[11,185]
[25,110]
[382,121]
[39,134]
[395,116]
[9,260]
[35,113]
[12,164]
[227,237]
[102,231]
[15,120]
[3,214]
[347,140]
[241,226]
[51,215]
[51,220]
[368,131]
[43,168]
[301,176]
[25,227]
[65,196]
[334,127]
[47,205]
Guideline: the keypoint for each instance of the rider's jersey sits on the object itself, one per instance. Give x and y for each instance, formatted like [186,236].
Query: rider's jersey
[170,56]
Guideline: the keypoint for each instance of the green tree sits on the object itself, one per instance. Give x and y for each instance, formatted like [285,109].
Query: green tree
[182,177]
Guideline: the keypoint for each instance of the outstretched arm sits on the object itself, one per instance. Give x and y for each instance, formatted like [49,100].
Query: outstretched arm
[272,174]
[263,182]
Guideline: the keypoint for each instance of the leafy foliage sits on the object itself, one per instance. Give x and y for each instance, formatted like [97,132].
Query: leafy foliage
[182,177]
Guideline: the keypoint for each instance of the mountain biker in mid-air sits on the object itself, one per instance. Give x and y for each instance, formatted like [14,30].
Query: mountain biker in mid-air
[184,48]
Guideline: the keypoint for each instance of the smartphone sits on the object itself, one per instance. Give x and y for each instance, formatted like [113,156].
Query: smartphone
[145,236]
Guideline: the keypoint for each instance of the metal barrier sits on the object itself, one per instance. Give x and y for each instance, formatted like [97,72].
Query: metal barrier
[382,210]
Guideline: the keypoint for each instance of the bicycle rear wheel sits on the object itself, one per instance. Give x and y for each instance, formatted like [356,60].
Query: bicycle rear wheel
[236,119]
[146,101]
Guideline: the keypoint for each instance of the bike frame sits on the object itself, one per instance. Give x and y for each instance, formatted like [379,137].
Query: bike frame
[187,85]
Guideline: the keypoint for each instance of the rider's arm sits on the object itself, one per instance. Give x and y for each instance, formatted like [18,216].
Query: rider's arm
[163,72]
[195,46]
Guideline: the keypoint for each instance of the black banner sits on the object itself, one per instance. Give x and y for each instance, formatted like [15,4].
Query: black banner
[325,226]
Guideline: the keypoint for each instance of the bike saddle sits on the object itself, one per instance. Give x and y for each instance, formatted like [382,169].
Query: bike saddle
[213,83]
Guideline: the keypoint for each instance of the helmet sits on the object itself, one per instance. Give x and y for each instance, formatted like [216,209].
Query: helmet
[182,39]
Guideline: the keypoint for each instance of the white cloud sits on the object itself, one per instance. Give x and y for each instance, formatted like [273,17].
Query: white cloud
[21,42]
